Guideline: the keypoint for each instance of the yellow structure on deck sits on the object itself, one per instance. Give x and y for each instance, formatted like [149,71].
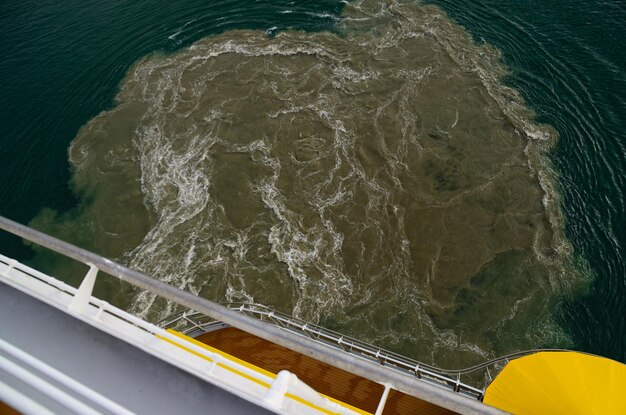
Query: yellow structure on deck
[560,383]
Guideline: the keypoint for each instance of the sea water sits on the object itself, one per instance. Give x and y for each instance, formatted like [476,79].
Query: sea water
[369,166]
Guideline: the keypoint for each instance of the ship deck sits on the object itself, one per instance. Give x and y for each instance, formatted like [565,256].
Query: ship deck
[336,383]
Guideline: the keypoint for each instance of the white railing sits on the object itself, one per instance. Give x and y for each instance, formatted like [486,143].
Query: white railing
[248,381]
[422,383]
[29,369]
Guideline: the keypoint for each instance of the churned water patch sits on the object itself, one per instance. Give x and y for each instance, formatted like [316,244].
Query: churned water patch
[380,180]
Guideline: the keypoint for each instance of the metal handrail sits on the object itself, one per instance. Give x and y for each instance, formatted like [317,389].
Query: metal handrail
[362,367]
[451,378]
[199,323]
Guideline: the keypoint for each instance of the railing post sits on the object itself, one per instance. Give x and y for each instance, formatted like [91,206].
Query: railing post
[10,266]
[341,343]
[216,362]
[275,395]
[305,330]
[380,360]
[81,298]
[383,400]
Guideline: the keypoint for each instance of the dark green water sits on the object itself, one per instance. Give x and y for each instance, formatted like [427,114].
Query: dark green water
[62,64]
[569,62]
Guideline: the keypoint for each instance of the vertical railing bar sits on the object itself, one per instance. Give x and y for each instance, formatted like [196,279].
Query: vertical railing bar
[418,371]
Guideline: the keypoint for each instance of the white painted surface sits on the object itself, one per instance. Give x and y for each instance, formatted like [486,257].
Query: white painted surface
[212,367]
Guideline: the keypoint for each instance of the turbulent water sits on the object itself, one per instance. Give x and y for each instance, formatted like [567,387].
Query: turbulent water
[569,62]
[379,179]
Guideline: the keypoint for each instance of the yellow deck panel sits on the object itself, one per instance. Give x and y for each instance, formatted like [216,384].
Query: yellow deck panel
[567,383]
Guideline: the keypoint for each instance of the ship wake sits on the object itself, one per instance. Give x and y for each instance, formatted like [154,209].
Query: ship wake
[380,180]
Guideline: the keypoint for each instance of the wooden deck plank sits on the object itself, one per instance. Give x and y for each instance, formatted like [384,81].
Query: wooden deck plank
[333,382]
[7,410]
